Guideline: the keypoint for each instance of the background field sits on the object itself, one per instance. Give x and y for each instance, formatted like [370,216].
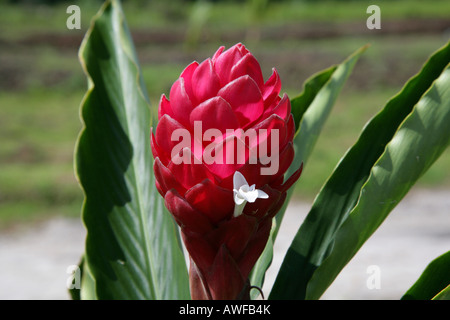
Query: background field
[42,83]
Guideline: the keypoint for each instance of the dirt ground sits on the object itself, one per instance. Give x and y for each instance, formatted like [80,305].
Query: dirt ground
[34,261]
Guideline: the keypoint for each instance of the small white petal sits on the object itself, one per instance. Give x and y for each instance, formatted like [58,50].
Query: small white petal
[239,180]
[262,194]
[244,189]
[251,196]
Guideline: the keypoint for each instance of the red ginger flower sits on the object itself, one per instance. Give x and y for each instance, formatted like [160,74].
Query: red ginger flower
[221,127]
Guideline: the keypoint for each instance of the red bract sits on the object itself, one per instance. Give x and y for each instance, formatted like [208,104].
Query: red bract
[224,128]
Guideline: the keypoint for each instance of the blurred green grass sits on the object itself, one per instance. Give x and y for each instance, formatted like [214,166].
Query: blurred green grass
[222,15]
[42,84]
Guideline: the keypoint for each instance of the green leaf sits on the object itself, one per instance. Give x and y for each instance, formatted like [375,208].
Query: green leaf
[311,89]
[87,290]
[395,148]
[434,279]
[320,94]
[444,294]
[310,110]
[132,251]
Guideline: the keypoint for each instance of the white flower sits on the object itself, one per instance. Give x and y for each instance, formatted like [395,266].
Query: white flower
[244,193]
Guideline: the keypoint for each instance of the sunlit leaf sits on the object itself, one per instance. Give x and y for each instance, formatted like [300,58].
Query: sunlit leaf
[132,250]
[433,281]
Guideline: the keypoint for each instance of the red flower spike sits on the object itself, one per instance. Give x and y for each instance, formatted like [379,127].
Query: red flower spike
[222,147]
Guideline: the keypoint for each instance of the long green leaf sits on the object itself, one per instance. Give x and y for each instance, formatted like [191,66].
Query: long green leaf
[87,290]
[310,110]
[444,294]
[132,250]
[433,280]
[311,88]
[395,148]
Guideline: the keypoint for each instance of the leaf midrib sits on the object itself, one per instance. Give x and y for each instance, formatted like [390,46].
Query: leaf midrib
[122,56]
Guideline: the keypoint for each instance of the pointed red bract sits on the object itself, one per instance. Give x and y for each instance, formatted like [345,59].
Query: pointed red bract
[225,61]
[215,113]
[206,81]
[180,101]
[225,279]
[248,65]
[244,97]
[211,200]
